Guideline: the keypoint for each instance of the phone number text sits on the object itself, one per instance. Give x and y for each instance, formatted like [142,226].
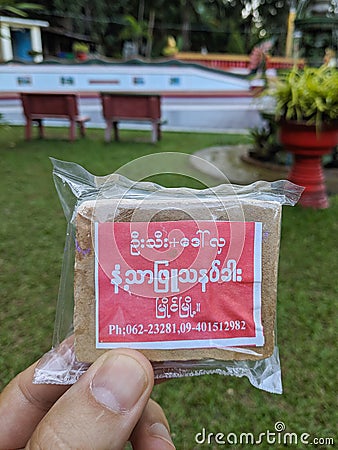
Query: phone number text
[174,328]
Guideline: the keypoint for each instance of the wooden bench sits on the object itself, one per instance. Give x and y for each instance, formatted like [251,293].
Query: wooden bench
[38,106]
[117,106]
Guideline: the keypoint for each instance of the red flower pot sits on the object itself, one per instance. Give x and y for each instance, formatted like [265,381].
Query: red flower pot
[308,146]
[81,56]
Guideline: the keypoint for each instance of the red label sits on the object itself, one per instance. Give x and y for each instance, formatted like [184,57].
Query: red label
[183,284]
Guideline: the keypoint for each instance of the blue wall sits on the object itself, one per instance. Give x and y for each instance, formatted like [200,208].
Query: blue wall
[21,41]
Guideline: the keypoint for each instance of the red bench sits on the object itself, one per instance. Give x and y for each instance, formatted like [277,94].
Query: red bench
[39,106]
[117,106]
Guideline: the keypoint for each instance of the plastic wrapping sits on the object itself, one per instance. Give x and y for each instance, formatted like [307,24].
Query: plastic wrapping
[186,276]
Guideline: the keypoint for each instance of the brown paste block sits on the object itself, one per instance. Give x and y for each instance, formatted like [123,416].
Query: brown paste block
[267,212]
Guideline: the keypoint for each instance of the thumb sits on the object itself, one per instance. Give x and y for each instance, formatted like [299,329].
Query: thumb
[102,408]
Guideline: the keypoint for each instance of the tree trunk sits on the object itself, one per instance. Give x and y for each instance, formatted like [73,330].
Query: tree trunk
[185,26]
[150,33]
[140,17]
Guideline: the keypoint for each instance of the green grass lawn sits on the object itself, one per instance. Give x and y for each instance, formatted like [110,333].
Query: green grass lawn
[32,233]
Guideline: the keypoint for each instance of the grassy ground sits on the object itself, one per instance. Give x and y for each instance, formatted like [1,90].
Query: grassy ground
[32,232]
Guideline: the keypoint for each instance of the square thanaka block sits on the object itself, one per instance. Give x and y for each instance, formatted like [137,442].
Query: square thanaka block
[268,213]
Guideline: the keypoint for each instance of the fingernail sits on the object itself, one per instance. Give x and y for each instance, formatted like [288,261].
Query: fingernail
[119,383]
[160,431]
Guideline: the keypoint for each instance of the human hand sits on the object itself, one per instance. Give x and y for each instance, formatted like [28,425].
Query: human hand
[108,406]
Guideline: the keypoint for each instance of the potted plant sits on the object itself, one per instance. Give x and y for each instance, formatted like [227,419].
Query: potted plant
[266,147]
[307,114]
[81,50]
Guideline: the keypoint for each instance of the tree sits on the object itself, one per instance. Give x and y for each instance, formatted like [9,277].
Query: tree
[219,25]
[17,8]
[100,21]
[267,18]
[134,31]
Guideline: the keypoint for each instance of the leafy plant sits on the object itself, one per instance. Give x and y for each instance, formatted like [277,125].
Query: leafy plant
[80,47]
[265,146]
[309,95]
[17,7]
[133,30]
[265,143]
[34,53]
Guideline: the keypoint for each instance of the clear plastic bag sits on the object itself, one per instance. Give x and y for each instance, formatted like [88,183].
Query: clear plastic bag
[191,273]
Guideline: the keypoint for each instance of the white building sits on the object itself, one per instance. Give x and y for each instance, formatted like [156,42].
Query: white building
[20,39]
